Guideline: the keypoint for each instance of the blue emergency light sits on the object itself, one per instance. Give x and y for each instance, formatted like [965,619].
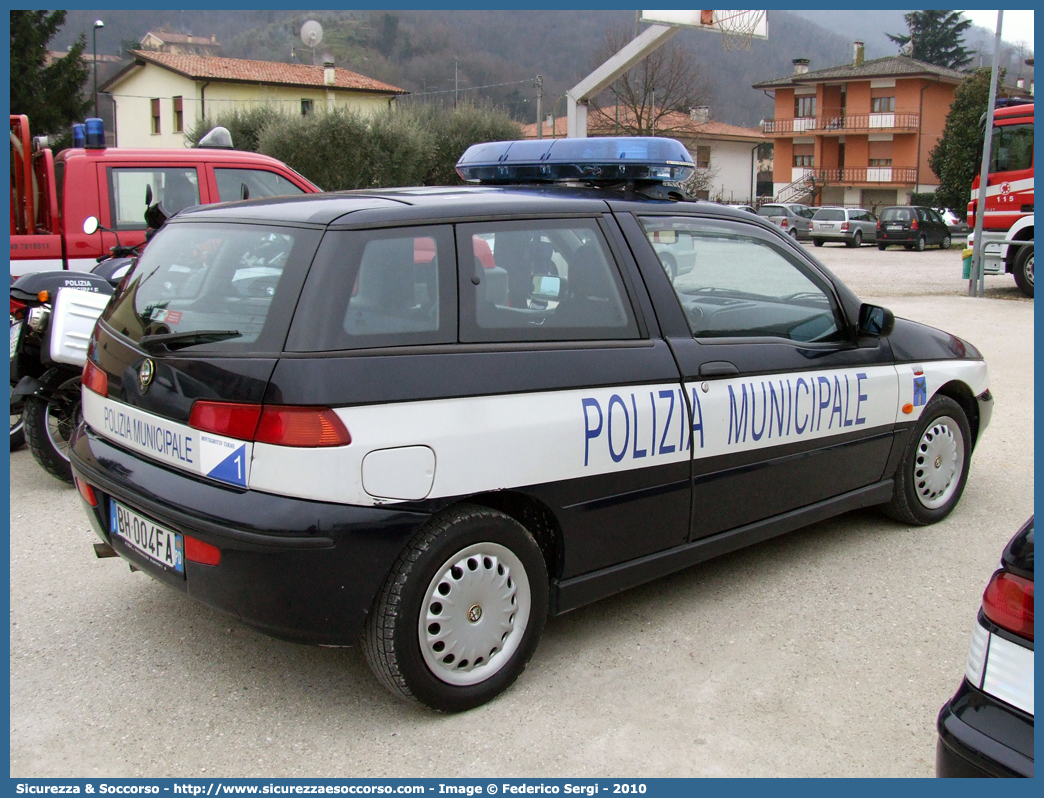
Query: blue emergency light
[79,138]
[601,161]
[94,130]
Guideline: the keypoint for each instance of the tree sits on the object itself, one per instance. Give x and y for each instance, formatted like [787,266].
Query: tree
[51,95]
[937,38]
[956,159]
[654,97]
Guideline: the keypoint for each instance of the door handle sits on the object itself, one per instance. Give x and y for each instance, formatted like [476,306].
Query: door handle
[718,368]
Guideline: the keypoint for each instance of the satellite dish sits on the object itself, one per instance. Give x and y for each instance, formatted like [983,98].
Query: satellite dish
[311,33]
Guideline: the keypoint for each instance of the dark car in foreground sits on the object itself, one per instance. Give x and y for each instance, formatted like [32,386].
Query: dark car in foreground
[912,226]
[986,729]
[339,419]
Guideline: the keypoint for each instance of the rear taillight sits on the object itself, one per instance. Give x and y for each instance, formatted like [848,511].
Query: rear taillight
[878,224]
[783,224]
[203,553]
[1008,602]
[301,426]
[17,308]
[282,425]
[225,418]
[914,225]
[95,379]
[87,492]
[844,225]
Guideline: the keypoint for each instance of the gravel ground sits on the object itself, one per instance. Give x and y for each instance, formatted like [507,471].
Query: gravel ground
[827,652]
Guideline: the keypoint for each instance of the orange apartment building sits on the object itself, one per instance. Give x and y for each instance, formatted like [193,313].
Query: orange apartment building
[860,134]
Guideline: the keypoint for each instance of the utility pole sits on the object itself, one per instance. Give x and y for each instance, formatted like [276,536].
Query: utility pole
[454,82]
[94,37]
[540,101]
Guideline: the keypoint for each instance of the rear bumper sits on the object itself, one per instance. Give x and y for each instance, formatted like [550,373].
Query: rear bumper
[299,570]
[980,736]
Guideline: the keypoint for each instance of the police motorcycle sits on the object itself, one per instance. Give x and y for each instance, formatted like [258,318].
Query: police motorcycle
[50,330]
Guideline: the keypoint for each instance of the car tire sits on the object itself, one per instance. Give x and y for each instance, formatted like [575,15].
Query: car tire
[50,422]
[857,240]
[945,243]
[934,467]
[793,233]
[817,241]
[882,247]
[1024,270]
[670,266]
[921,243]
[490,571]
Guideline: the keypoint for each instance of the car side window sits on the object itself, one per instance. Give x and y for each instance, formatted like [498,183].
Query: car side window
[177,187]
[377,289]
[237,184]
[541,280]
[743,286]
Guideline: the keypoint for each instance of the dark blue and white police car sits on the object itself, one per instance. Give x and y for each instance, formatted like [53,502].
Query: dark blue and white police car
[426,418]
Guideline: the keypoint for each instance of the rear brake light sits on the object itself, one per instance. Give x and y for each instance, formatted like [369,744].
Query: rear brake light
[301,426]
[225,418]
[203,553]
[282,425]
[783,224]
[914,225]
[1008,602]
[95,379]
[87,492]
[844,225]
[878,224]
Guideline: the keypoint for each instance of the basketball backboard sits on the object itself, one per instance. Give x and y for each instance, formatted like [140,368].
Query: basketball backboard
[747,24]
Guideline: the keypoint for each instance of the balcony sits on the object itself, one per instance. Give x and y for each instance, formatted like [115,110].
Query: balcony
[855,175]
[838,124]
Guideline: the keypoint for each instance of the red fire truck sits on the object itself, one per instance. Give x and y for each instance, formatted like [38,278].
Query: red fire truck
[1007,222]
[52,195]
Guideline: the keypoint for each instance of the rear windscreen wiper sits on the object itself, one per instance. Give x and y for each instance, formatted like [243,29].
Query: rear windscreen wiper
[179,340]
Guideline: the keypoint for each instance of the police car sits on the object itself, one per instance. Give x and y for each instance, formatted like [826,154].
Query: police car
[427,418]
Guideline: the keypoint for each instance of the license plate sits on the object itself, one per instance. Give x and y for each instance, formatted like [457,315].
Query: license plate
[161,546]
[825,226]
[16,331]
[895,227]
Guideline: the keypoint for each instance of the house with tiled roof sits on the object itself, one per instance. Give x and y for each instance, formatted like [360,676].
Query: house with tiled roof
[858,134]
[159,96]
[726,154]
[180,43]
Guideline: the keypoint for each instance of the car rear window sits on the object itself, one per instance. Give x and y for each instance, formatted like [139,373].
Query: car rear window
[772,210]
[829,215]
[214,286]
[896,215]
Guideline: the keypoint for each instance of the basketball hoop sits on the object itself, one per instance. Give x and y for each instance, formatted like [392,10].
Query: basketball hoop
[737,28]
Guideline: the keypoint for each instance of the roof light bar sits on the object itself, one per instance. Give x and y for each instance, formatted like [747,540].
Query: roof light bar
[594,160]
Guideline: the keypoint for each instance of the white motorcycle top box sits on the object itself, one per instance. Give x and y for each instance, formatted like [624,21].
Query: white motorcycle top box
[72,323]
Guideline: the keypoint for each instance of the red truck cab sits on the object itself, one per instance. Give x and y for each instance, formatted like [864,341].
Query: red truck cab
[52,196]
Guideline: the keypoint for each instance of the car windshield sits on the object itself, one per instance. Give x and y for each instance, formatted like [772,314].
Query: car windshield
[829,215]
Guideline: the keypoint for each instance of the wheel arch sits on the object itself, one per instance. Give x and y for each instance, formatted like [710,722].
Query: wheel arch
[962,394]
[1022,230]
[535,516]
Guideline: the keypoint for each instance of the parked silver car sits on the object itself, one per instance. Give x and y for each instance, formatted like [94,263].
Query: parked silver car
[851,226]
[793,218]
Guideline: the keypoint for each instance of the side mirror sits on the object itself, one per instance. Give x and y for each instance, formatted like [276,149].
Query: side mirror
[244,192]
[546,286]
[875,321]
[148,194]
[91,225]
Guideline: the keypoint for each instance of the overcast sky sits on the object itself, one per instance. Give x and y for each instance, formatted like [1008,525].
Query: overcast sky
[1017,25]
